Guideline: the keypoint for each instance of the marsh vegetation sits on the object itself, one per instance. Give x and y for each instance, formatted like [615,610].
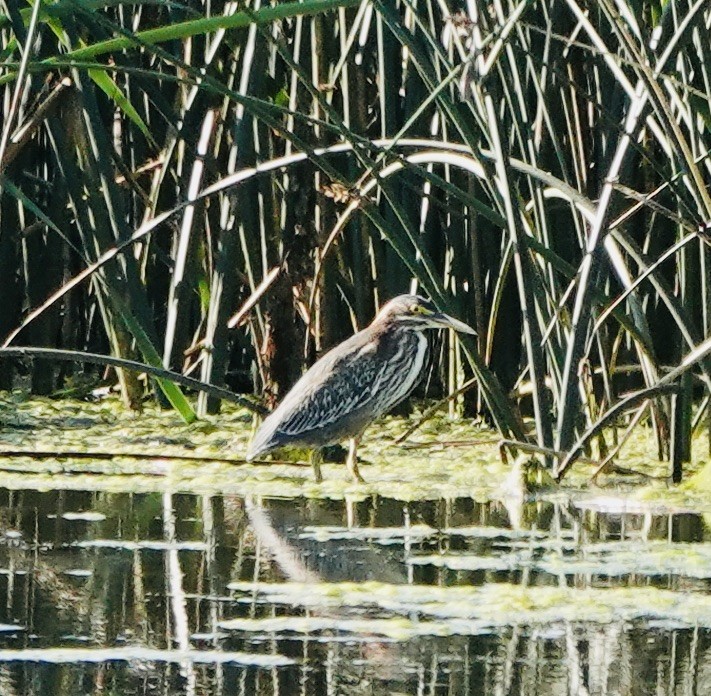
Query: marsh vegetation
[199,198]
[227,191]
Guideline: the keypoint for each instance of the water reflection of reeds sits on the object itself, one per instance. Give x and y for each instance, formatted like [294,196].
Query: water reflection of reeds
[121,593]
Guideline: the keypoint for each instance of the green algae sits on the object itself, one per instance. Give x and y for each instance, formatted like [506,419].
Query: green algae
[467,609]
[600,559]
[445,564]
[157,438]
[134,654]
[394,628]
[379,535]
[443,459]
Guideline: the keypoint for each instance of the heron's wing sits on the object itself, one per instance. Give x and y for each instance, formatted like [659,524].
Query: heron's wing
[354,383]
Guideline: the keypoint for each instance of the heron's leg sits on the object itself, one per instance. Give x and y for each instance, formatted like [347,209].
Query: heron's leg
[352,461]
[316,457]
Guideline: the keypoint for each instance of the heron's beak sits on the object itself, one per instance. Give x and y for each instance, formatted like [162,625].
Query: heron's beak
[445,321]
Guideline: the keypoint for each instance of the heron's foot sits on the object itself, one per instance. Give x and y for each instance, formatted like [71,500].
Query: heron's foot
[357,478]
[316,458]
[352,461]
[354,471]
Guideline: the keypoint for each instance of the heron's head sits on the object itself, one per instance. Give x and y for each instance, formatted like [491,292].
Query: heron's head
[418,313]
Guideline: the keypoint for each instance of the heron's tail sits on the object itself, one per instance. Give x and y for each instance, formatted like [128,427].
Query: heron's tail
[254,449]
[262,442]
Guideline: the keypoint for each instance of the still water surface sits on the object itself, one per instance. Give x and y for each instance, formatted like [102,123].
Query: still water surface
[179,594]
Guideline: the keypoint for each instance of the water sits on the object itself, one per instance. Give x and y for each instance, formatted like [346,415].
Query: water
[156,593]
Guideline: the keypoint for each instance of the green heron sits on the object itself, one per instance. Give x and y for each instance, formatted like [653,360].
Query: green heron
[355,383]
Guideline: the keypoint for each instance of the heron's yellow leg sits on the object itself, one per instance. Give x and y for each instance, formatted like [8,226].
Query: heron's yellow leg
[316,457]
[352,461]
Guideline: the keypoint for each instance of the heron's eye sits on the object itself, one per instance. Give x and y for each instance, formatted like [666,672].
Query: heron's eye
[415,309]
